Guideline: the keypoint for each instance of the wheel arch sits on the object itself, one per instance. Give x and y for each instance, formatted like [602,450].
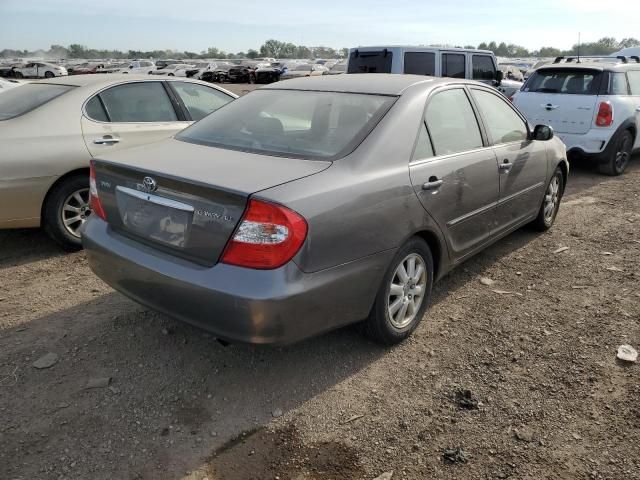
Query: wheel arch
[60,180]
[437,251]
[564,168]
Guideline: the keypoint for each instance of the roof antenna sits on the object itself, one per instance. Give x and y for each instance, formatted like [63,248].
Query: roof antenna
[578,47]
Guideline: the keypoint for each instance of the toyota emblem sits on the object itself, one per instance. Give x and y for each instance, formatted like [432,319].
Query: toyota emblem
[149,184]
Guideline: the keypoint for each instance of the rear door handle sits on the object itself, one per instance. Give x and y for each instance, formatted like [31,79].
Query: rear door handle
[432,184]
[505,166]
[106,141]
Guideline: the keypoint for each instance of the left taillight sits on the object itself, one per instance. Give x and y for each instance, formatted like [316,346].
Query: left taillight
[269,236]
[94,199]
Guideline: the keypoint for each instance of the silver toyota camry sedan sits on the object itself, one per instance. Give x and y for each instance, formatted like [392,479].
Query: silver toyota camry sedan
[320,202]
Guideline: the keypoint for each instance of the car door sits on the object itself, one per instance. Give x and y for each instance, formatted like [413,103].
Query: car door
[454,172]
[29,70]
[130,114]
[634,84]
[522,162]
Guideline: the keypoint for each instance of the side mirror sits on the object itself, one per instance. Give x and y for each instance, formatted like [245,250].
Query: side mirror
[130,66]
[499,77]
[542,133]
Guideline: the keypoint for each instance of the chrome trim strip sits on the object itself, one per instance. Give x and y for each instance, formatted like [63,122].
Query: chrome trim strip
[466,216]
[443,157]
[521,192]
[165,202]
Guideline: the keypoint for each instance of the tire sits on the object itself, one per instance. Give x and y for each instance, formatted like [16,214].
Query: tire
[169,75]
[48,74]
[550,203]
[18,75]
[619,156]
[54,215]
[390,329]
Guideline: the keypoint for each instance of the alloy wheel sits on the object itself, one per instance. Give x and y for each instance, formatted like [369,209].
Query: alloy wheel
[551,199]
[623,153]
[407,290]
[75,211]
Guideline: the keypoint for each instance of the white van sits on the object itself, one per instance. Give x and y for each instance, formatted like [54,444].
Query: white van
[472,64]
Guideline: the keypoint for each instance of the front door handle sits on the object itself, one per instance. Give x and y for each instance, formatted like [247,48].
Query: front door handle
[505,166]
[106,140]
[432,184]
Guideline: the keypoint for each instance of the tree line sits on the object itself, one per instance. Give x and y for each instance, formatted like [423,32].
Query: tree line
[270,48]
[277,49]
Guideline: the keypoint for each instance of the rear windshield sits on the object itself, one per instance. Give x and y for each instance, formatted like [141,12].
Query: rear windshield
[291,123]
[19,101]
[370,62]
[565,81]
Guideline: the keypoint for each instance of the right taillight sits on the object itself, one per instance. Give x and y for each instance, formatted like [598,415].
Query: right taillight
[269,236]
[94,200]
[605,115]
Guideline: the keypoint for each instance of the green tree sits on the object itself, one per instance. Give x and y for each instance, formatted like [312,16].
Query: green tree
[483,46]
[251,53]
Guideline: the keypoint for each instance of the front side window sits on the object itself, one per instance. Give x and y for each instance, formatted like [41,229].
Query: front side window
[452,123]
[138,102]
[200,100]
[503,124]
[290,123]
[634,81]
[19,101]
[420,63]
[370,62]
[483,67]
[453,65]
[568,81]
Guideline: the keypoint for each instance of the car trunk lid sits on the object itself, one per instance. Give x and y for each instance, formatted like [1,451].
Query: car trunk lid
[563,98]
[187,199]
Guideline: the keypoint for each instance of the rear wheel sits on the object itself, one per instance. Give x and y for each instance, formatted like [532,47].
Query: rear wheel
[619,156]
[66,209]
[404,295]
[550,203]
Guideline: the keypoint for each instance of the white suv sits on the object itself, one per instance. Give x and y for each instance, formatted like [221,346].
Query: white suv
[593,106]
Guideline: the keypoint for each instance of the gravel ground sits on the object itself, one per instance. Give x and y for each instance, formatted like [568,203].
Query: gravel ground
[492,385]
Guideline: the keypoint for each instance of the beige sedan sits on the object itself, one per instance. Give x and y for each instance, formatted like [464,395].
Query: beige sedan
[49,130]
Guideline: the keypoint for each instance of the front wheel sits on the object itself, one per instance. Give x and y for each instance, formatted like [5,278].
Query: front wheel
[550,203]
[618,159]
[404,295]
[48,74]
[18,74]
[66,209]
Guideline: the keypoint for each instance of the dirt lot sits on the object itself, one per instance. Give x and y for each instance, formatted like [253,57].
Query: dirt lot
[547,398]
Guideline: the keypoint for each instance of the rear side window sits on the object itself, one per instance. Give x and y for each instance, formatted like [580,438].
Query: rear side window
[453,65]
[21,100]
[200,100]
[95,110]
[370,62]
[483,67]
[503,124]
[452,123]
[634,81]
[420,63]
[617,84]
[564,81]
[138,102]
[423,146]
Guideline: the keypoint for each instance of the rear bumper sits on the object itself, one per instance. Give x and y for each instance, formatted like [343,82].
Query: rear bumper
[591,143]
[239,304]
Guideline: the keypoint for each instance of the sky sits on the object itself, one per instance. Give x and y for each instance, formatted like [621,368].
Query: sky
[233,26]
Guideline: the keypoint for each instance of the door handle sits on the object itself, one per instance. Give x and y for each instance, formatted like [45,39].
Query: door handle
[432,184]
[505,166]
[106,141]
[549,106]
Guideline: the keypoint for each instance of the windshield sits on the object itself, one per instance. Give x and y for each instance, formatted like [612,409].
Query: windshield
[566,81]
[19,101]
[370,62]
[291,123]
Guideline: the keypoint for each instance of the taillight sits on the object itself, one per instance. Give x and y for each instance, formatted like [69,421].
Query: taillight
[94,200]
[605,115]
[269,236]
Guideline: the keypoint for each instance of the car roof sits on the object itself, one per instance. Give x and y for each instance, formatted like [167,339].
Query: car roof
[612,65]
[370,83]
[105,79]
